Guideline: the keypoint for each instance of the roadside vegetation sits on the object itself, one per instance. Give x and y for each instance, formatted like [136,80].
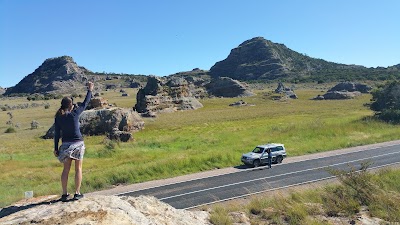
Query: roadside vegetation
[180,143]
[358,194]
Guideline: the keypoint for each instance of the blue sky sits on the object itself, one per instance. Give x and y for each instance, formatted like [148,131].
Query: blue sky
[165,37]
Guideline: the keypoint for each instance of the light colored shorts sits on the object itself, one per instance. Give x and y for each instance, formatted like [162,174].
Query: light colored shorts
[71,150]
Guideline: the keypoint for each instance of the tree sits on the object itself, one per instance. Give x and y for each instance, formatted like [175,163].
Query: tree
[386,102]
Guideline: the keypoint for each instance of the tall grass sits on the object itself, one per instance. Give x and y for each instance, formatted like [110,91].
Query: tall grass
[180,143]
[331,201]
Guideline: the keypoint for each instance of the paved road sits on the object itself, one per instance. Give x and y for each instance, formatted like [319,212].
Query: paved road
[194,193]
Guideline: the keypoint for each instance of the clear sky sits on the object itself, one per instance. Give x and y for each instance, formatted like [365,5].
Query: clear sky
[164,37]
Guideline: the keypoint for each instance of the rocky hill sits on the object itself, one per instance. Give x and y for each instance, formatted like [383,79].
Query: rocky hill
[54,74]
[63,75]
[261,59]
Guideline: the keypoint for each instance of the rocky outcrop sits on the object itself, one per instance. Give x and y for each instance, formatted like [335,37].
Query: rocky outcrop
[241,103]
[227,87]
[117,123]
[338,95]
[281,89]
[165,95]
[103,210]
[351,87]
[2,90]
[97,103]
[344,90]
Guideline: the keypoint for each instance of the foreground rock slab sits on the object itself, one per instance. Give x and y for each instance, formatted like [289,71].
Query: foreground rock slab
[143,210]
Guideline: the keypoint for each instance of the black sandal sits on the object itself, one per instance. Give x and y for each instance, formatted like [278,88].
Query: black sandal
[64,198]
[78,196]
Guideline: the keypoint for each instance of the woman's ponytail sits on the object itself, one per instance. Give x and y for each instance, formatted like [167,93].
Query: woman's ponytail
[66,102]
[60,112]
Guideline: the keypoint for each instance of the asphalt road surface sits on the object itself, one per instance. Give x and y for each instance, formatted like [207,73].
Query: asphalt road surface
[250,181]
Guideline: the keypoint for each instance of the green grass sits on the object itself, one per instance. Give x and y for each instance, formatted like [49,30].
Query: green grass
[180,143]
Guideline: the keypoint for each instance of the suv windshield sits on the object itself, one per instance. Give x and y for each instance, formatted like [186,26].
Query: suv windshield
[258,150]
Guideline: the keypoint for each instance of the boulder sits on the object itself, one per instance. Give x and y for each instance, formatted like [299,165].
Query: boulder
[134,84]
[123,136]
[107,121]
[97,102]
[227,87]
[160,95]
[291,94]
[281,89]
[341,95]
[2,90]
[350,87]
[319,97]
[240,103]
[103,210]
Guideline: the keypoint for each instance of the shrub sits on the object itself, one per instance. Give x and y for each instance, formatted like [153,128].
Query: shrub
[389,115]
[47,106]
[386,102]
[10,130]
[219,216]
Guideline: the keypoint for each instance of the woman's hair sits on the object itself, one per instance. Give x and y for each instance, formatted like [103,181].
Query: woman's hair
[66,102]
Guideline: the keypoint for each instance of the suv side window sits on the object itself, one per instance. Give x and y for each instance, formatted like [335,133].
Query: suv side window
[278,148]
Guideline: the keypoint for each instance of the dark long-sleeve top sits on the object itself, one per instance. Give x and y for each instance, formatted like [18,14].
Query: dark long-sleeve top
[67,125]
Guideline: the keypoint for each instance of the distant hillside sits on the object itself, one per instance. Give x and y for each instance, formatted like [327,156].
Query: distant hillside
[63,75]
[261,59]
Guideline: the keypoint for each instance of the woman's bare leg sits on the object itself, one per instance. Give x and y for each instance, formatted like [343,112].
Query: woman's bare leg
[64,175]
[78,176]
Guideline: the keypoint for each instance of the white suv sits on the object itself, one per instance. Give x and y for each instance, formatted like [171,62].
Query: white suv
[259,155]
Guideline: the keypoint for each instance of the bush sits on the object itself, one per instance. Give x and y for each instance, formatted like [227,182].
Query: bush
[10,130]
[386,102]
[389,115]
[219,216]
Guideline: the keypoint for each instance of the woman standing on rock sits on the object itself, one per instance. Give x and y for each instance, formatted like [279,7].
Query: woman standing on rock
[72,147]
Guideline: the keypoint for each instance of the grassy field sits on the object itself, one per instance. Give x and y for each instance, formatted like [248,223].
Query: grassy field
[180,143]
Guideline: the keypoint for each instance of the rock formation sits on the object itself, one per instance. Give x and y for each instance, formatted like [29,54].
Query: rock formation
[240,103]
[351,87]
[337,95]
[344,90]
[227,87]
[103,210]
[281,89]
[161,95]
[2,90]
[117,123]
[97,102]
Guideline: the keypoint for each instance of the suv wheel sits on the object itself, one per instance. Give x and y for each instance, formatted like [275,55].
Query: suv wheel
[279,159]
[256,163]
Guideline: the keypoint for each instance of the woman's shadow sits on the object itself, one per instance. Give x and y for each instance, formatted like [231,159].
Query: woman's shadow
[13,209]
